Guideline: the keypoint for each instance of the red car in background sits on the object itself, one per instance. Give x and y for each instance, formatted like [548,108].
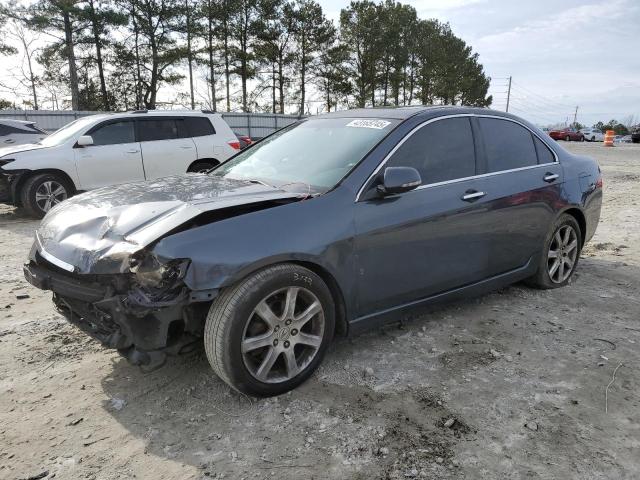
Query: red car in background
[567,134]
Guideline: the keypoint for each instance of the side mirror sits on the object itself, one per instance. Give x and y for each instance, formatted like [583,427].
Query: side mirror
[399,180]
[85,141]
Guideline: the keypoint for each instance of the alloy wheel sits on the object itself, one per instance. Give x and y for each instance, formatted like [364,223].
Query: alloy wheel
[49,194]
[563,253]
[283,334]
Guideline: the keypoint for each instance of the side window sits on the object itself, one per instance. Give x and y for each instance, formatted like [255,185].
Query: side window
[507,144]
[158,129]
[114,133]
[440,151]
[544,154]
[199,126]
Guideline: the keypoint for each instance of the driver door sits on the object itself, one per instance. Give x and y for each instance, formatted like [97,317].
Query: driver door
[429,240]
[114,157]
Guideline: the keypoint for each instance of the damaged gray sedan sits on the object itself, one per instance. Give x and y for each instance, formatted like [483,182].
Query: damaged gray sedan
[333,225]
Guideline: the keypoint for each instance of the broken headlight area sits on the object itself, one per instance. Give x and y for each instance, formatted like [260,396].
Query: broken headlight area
[156,277]
[144,314]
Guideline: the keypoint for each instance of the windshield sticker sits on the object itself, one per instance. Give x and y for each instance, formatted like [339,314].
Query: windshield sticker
[377,124]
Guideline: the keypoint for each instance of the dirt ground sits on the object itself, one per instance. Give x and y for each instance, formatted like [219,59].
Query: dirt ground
[522,372]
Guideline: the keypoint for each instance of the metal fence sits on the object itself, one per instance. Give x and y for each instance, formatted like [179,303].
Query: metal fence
[256,125]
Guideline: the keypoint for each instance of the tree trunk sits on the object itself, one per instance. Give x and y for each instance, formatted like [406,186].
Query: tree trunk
[303,72]
[281,80]
[211,69]
[273,87]
[32,78]
[71,58]
[137,55]
[226,56]
[189,54]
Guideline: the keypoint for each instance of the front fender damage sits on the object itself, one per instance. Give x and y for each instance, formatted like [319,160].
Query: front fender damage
[120,292]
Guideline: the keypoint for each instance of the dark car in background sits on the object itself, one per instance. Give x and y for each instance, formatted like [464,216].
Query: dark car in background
[568,134]
[335,224]
[635,135]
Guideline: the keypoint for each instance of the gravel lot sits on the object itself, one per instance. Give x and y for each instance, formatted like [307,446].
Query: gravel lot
[522,373]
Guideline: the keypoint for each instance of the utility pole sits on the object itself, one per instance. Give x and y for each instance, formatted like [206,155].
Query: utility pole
[508,94]
[575,116]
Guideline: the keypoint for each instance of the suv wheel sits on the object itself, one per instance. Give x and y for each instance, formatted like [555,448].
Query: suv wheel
[268,333]
[201,166]
[41,192]
[560,256]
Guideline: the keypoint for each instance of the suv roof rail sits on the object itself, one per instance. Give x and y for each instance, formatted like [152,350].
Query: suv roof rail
[140,111]
[208,111]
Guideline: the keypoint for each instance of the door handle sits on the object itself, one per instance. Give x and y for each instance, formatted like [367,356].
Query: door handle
[550,177]
[186,147]
[133,151]
[471,195]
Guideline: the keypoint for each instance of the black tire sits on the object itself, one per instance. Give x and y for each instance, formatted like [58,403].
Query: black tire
[542,278]
[582,139]
[233,311]
[34,185]
[202,166]
[593,139]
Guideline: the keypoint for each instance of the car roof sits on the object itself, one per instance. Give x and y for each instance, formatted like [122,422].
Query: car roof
[403,113]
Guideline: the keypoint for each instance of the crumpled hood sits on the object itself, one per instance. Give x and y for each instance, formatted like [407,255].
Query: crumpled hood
[96,232]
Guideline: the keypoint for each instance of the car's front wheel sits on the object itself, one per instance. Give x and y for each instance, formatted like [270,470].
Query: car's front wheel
[41,192]
[268,333]
[560,254]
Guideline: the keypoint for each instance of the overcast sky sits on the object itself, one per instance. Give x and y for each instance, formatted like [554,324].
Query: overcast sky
[560,53]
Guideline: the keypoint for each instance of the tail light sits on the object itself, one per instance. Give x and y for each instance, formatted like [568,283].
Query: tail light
[599,182]
[235,145]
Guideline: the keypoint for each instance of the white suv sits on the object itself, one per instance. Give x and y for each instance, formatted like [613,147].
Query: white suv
[108,149]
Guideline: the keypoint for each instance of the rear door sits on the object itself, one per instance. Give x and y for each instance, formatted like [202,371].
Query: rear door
[203,134]
[166,146]
[113,158]
[429,240]
[523,184]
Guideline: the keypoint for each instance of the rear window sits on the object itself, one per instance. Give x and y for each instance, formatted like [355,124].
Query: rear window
[199,126]
[158,129]
[508,145]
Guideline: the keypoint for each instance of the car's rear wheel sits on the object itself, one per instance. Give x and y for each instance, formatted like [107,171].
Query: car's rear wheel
[560,255]
[268,333]
[201,166]
[41,192]
[593,139]
[567,138]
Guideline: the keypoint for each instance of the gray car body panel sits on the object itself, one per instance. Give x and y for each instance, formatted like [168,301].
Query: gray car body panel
[382,254]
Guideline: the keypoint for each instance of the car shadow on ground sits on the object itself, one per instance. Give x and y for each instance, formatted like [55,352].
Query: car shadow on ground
[378,404]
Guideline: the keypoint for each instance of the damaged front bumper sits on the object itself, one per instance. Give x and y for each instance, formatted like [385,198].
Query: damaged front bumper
[112,309]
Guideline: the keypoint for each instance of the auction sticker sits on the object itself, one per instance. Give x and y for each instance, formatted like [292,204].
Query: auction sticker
[377,124]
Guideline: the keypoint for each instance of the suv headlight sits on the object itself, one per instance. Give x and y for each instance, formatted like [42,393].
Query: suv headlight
[150,272]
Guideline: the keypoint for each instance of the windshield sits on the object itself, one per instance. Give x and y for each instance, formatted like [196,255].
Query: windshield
[313,155]
[68,131]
